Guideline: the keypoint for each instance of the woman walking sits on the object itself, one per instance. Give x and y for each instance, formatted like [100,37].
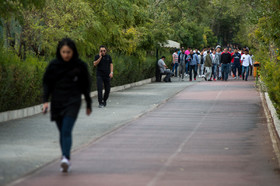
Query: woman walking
[65,80]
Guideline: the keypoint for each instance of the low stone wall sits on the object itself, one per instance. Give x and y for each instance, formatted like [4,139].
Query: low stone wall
[273,113]
[30,111]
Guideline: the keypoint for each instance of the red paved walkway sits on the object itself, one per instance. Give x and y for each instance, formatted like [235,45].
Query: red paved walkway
[213,133]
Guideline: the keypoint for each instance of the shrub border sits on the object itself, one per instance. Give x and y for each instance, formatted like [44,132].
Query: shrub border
[37,109]
[273,113]
[273,123]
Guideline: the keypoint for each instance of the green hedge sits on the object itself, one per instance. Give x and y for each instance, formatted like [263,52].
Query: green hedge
[270,75]
[21,81]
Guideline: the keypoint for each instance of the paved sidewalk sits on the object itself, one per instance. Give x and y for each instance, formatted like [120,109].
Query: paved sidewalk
[212,133]
[28,144]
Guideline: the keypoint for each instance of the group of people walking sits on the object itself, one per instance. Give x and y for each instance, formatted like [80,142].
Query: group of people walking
[212,64]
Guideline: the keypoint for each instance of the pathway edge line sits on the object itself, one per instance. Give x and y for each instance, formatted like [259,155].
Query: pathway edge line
[271,124]
[273,113]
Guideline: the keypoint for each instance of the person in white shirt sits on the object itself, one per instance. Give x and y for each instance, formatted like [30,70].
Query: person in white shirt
[175,62]
[219,53]
[246,62]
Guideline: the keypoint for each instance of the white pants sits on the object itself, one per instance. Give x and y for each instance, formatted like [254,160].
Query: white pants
[201,69]
[208,72]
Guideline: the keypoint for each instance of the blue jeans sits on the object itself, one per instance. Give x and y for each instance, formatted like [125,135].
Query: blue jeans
[192,69]
[243,72]
[214,70]
[225,68]
[187,68]
[175,67]
[65,126]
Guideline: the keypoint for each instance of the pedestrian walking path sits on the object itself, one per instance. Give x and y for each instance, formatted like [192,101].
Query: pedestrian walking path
[28,144]
[210,133]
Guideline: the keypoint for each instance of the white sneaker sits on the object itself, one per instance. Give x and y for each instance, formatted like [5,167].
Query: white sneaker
[65,165]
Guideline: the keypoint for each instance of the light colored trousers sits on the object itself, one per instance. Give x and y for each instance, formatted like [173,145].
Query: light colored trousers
[220,72]
[208,72]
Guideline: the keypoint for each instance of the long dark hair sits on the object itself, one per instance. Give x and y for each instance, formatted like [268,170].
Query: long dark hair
[71,44]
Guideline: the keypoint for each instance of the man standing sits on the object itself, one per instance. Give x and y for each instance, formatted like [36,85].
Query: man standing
[246,61]
[225,60]
[236,63]
[231,64]
[104,73]
[187,52]
[208,67]
[182,64]
[193,61]
[163,69]
[219,53]
[201,66]
[175,62]
[215,63]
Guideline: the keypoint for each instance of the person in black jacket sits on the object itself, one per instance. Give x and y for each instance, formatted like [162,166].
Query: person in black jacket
[225,61]
[236,63]
[65,80]
[182,64]
[104,73]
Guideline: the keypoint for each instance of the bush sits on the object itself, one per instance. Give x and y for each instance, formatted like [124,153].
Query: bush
[21,81]
[127,69]
[270,74]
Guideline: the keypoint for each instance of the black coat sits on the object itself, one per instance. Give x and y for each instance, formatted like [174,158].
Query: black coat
[225,58]
[65,82]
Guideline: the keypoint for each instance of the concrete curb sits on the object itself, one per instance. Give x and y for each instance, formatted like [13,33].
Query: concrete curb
[273,113]
[30,111]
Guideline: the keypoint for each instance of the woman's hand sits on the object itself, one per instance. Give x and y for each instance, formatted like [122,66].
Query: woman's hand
[111,75]
[45,108]
[88,111]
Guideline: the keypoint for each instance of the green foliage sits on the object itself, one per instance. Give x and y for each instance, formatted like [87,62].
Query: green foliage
[129,69]
[10,8]
[130,29]
[71,18]
[261,25]
[20,81]
[270,74]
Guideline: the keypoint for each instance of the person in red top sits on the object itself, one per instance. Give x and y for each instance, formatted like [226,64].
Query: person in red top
[231,64]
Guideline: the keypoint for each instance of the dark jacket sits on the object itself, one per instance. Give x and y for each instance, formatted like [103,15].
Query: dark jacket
[179,58]
[236,58]
[225,58]
[65,82]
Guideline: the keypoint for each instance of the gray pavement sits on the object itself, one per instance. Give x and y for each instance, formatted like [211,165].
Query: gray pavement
[30,143]
[211,133]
